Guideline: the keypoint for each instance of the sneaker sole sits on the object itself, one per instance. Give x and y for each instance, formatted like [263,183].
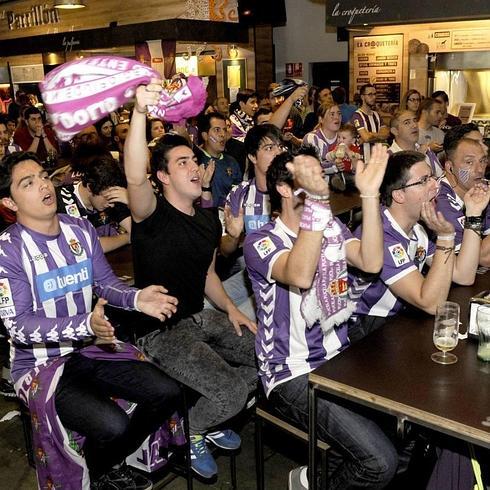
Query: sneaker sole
[207,477]
[217,444]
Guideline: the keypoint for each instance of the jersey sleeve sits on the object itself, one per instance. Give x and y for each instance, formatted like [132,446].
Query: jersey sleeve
[451,210]
[357,121]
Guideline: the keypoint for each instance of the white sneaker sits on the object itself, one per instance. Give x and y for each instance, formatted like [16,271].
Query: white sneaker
[295,482]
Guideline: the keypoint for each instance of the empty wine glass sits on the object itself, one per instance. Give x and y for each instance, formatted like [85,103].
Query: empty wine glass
[446,330]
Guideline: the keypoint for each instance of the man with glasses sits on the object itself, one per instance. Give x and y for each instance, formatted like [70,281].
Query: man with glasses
[367,121]
[408,192]
[404,127]
[227,170]
[465,171]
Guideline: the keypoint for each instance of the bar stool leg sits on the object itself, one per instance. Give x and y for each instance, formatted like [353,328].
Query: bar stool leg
[312,437]
[233,471]
[259,453]
[187,437]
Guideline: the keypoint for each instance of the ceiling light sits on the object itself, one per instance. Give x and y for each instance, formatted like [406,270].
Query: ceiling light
[69,4]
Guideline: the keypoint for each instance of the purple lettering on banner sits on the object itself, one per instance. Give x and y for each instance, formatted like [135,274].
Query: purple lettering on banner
[79,93]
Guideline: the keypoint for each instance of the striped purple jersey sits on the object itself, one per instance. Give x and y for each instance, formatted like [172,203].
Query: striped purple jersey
[255,204]
[324,145]
[285,347]
[369,122]
[403,254]
[46,287]
[430,158]
[452,207]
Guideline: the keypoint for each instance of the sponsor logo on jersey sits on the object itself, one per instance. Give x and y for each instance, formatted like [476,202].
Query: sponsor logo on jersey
[72,210]
[63,280]
[398,254]
[264,247]
[7,308]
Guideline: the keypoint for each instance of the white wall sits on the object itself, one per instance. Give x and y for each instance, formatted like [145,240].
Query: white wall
[304,40]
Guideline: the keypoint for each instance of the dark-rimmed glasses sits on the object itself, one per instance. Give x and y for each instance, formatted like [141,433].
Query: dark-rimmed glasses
[423,181]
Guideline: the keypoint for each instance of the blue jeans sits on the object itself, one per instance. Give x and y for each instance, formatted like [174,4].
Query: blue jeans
[84,405]
[204,353]
[369,459]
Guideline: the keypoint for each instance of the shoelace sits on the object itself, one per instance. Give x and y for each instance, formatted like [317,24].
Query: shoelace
[198,445]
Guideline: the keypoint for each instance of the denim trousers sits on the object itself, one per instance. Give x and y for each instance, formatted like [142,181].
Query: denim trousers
[83,404]
[368,457]
[204,353]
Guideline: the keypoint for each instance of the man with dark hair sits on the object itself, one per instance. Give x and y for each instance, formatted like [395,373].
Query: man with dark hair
[8,148]
[242,117]
[408,192]
[34,136]
[339,96]
[50,266]
[430,116]
[367,121]
[102,198]
[262,116]
[465,165]
[448,121]
[469,130]
[302,321]
[175,243]
[404,127]
[212,127]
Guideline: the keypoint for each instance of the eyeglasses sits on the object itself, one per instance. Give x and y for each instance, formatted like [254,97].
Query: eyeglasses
[272,147]
[423,181]
[414,99]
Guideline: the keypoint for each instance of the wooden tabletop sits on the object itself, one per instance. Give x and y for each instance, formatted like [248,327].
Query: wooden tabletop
[391,370]
[121,261]
[343,202]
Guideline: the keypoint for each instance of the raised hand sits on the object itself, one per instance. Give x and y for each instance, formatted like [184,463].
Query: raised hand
[206,173]
[308,174]
[116,194]
[435,220]
[369,176]
[99,324]
[147,95]
[233,224]
[154,301]
[476,199]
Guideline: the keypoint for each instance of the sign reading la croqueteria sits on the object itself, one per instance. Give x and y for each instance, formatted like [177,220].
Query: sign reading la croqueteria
[357,12]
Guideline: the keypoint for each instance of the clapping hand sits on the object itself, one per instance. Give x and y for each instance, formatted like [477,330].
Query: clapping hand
[308,174]
[154,301]
[233,224]
[476,199]
[100,325]
[369,176]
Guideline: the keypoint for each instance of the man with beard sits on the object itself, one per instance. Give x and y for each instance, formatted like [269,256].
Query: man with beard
[408,192]
[367,121]
[430,117]
[404,127]
[227,171]
[465,169]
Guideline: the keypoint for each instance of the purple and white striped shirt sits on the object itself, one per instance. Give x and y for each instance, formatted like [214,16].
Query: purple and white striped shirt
[46,287]
[324,145]
[285,347]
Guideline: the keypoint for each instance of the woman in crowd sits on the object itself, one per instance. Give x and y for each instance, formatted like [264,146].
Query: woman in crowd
[411,100]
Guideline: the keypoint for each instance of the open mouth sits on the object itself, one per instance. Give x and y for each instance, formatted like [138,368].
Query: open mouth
[48,199]
[196,179]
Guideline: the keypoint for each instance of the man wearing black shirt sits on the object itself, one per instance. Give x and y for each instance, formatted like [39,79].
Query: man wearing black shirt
[174,243]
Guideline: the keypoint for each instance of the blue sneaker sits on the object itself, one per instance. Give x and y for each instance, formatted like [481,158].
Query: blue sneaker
[225,439]
[202,462]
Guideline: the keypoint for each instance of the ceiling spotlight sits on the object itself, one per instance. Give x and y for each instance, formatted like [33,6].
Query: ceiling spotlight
[69,4]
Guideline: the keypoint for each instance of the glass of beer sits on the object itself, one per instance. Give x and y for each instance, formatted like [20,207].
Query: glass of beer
[446,330]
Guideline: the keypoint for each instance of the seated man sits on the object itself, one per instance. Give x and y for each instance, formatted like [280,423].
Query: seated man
[298,267]
[49,266]
[408,191]
[175,243]
[101,197]
[465,168]
[429,117]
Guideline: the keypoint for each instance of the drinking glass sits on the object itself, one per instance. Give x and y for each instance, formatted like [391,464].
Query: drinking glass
[446,329]
[483,322]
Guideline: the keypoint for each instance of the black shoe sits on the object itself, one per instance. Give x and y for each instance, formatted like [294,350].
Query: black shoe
[122,478]
[7,388]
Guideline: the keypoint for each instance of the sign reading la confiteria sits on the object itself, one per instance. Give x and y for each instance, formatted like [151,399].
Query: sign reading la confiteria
[358,12]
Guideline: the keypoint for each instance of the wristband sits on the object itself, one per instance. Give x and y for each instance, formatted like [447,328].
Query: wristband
[140,112]
[316,215]
[446,250]
[449,236]
[367,196]
[206,189]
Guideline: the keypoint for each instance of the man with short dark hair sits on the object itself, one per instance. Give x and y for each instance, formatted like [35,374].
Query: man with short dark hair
[469,130]
[465,165]
[339,96]
[430,116]
[8,147]
[226,171]
[175,243]
[35,136]
[51,264]
[242,117]
[448,121]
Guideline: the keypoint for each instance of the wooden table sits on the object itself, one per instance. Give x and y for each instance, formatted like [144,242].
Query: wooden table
[343,202]
[391,371]
[121,261]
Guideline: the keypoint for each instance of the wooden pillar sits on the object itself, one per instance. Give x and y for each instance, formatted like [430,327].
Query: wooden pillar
[264,57]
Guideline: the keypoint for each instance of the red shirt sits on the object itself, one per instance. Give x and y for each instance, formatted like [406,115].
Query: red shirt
[24,139]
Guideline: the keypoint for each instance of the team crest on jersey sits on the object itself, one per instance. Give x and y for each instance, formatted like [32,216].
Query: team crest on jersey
[420,254]
[356,123]
[76,247]
[7,308]
[264,247]
[398,254]
[72,210]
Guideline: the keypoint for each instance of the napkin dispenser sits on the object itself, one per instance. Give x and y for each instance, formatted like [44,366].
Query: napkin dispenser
[482,298]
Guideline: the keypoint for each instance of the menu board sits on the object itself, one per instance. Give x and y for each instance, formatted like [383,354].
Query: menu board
[378,60]
[449,40]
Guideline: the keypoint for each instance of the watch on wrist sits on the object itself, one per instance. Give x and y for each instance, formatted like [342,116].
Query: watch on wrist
[206,189]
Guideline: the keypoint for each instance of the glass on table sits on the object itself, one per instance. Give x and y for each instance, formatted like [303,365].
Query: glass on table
[483,323]
[446,331]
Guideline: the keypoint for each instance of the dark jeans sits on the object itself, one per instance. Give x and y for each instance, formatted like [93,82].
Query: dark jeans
[204,352]
[369,459]
[84,405]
